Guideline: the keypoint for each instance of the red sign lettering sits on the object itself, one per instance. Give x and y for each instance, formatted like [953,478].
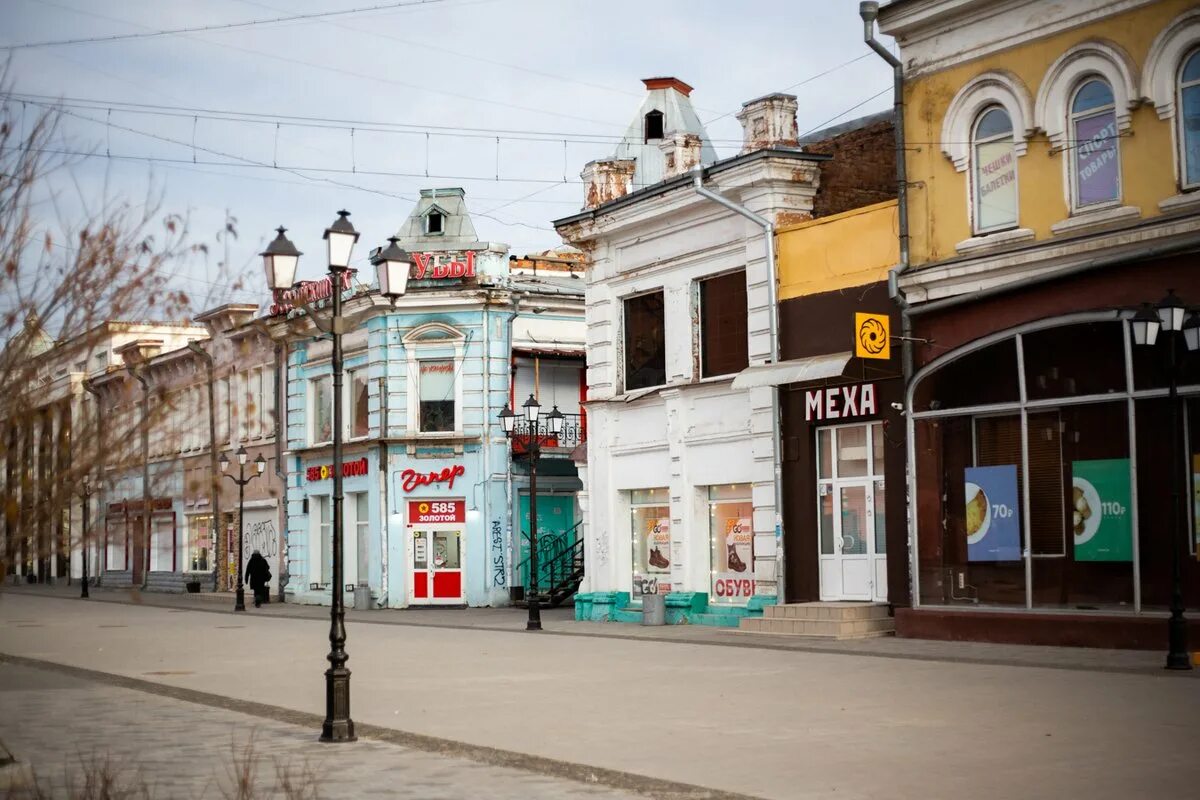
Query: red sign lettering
[426,265]
[411,479]
[307,292]
[733,587]
[350,469]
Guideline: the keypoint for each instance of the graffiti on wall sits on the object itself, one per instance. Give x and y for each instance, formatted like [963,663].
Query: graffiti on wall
[498,571]
[261,536]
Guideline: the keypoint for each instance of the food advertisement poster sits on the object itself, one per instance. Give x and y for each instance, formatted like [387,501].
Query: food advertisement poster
[733,559]
[993,524]
[1100,500]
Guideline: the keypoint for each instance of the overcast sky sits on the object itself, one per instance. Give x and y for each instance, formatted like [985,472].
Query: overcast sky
[423,89]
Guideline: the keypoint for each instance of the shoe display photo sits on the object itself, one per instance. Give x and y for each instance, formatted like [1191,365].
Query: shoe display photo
[735,562]
[657,559]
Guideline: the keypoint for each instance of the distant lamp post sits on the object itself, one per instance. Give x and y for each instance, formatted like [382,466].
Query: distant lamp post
[554,421]
[85,492]
[1171,317]
[260,465]
[280,260]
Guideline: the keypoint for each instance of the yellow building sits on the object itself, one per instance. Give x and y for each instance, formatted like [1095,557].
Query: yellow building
[1053,185]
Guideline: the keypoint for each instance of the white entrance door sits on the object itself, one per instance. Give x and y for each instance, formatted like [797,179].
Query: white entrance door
[850,497]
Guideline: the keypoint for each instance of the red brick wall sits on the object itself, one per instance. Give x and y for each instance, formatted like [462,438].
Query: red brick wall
[861,172]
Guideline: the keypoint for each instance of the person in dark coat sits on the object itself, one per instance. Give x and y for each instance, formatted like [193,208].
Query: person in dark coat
[258,575]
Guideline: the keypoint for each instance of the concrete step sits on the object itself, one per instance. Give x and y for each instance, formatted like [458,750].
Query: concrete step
[820,628]
[841,611]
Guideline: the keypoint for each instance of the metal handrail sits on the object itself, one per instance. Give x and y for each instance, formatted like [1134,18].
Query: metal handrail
[550,560]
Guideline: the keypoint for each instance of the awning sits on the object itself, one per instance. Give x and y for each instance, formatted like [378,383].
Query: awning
[797,370]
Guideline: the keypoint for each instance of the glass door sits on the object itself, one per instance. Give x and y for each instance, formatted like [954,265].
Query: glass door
[436,567]
[852,547]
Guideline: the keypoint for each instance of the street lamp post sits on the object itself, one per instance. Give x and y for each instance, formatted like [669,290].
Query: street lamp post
[1168,316]
[239,603]
[392,264]
[85,493]
[554,421]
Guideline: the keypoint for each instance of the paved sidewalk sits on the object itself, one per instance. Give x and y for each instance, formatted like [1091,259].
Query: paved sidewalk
[61,728]
[561,621]
[786,725]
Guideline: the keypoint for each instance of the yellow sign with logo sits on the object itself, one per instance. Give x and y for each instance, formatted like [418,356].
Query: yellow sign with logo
[872,336]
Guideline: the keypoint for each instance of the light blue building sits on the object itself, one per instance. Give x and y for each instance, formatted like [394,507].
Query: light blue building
[433,491]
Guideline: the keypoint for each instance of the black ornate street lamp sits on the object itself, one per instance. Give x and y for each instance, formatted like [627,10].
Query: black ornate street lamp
[260,465]
[554,421]
[85,492]
[1169,317]
[392,265]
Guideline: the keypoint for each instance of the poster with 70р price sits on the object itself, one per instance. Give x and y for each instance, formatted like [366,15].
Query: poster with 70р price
[992,522]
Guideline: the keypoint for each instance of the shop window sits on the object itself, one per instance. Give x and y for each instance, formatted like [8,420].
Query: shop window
[731,530]
[1095,165]
[358,526]
[115,536]
[723,342]
[650,521]
[983,377]
[321,410]
[1075,360]
[359,425]
[320,549]
[994,171]
[645,344]
[199,543]
[1189,119]
[654,126]
[437,391]
[162,543]
[1160,463]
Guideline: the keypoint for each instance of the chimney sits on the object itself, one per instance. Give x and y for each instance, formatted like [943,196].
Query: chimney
[607,180]
[681,150]
[769,122]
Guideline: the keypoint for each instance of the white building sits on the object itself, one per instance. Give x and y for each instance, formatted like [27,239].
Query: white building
[680,483]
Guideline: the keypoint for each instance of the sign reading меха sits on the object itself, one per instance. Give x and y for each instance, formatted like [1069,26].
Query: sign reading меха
[840,402]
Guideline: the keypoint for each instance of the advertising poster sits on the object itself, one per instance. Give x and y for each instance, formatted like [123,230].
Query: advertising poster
[734,561]
[652,552]
[1100,510]
[1096,159]
[993,524]
[997,191]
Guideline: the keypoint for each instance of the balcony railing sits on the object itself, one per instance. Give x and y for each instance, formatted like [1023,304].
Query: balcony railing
[573,434]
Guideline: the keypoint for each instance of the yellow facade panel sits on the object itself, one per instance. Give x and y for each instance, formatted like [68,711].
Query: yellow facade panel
[850,249]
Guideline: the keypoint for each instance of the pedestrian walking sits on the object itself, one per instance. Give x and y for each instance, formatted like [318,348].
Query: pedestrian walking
[258,575]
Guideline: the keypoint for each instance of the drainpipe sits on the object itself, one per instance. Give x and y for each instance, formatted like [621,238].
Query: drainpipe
[487,433]
[214,472]
[773,324]
[514,547]
[280,409]
[869,10]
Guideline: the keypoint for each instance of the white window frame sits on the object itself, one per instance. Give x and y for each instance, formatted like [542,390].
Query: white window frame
[311,406]
[421,345]
[1073,119]
[974,180]
[317,536]
[348,402]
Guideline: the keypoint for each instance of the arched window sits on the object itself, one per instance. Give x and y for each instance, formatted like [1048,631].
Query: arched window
[1189,118]
[994,171]
[1095,166]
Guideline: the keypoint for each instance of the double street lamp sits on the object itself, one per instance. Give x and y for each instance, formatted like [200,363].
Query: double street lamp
[1171,317]
[554,421]
[260,466]
[392,265]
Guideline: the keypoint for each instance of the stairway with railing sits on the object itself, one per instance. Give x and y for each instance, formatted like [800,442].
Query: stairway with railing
[560,567]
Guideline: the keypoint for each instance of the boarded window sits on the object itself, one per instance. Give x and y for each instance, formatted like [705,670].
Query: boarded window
[645,346]
[723,348]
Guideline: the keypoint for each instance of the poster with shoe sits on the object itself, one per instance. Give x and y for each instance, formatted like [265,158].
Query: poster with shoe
[734,554]
[651,551]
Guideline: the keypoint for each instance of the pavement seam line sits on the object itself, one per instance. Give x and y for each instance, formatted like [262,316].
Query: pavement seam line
[752,645]
[492,756]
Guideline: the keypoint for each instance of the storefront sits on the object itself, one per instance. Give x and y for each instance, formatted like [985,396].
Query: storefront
[1041,459]
[436,544]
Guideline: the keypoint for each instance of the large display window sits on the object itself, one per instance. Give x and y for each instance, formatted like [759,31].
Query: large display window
[731,529]
[650,523]
[1039,474]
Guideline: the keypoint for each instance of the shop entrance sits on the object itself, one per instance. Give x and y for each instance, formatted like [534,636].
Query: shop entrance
[436,540]
[851,493]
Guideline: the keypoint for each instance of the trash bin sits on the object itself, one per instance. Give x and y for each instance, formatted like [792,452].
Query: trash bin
[654,609]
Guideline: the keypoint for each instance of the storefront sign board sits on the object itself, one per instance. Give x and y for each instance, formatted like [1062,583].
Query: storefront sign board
[872,336]
[1100,505]
[350,469]
[840,402]
[993,523]
[411,479]
[426,512]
